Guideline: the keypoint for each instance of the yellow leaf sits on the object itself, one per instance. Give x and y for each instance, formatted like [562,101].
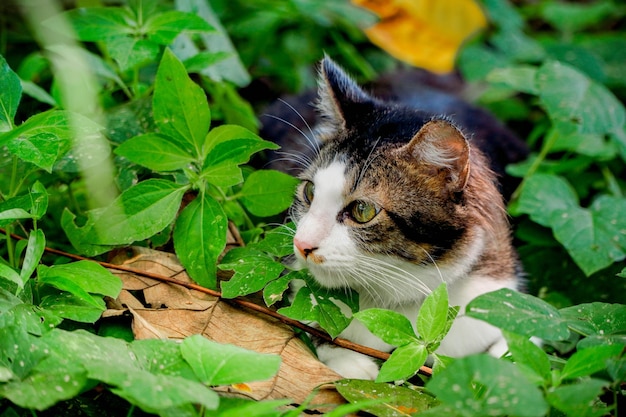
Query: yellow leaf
[424,33]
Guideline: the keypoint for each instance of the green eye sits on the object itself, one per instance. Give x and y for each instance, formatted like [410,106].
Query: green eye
[362,211]
[309,192]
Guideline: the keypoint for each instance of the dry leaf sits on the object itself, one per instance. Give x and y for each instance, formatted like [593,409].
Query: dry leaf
[172,311]
[424,33]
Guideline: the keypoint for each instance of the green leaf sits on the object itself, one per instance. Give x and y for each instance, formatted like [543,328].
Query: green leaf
[34,251]
[433,315]
[268,192]
[88,275]
[403,363]
[154,152]
[392,327]
[253,270]
[30,318]
[46,137]
[594,237]
[33,90]
[530,358]
[483,385]
[180,106]
[163,28]
[274,290]
[321,306]
[520,78]
[225,148]
[94,24]
[200,237]
[137,214]
[202,60]
[579,399]
[278,241]
[219,364]
[519,313]
[10,95]
[72,307]
[596,318]
[576,103]
[10,274]
[394,400]
[131,52]
[590,360]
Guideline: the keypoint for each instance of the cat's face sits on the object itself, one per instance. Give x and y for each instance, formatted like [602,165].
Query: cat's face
[383,207]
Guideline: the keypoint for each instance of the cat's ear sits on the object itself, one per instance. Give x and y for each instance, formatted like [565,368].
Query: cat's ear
[338,98]
[440,144]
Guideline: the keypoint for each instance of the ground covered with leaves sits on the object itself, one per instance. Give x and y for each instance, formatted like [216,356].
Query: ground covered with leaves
[142,270]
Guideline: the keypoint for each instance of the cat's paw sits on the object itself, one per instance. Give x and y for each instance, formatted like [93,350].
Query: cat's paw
[347,363]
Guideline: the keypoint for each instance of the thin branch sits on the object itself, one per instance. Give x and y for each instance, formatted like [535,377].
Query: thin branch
[344,343]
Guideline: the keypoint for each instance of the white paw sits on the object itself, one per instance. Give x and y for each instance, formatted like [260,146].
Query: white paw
[347,363]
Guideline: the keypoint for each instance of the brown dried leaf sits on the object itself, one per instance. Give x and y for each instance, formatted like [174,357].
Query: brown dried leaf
[166,310]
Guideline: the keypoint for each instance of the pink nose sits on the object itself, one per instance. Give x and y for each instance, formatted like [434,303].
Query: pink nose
[303,247]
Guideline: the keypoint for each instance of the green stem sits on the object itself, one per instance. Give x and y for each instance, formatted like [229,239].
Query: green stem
[549,142]
[131,410]
[10,249]
[611,182]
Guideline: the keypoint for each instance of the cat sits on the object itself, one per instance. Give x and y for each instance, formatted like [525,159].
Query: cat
[395,202]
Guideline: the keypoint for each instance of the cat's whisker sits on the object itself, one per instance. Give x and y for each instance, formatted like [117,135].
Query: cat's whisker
[317,147]
[434,264]
[312,143]
[299,159]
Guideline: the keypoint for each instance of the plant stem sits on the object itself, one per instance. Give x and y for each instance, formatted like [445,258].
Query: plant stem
[611,182]
[130,410]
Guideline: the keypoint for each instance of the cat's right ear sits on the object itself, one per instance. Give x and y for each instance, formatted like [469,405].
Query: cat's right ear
[338,98]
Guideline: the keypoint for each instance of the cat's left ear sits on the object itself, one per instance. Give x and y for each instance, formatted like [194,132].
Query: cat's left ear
[339,98]
[441,144]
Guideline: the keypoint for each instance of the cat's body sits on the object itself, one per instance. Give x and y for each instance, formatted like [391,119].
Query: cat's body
[396,202]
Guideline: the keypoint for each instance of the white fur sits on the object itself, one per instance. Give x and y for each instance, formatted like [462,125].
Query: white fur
[386,282]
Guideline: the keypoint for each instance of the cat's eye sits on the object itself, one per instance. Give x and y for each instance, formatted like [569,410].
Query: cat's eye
[309,192]
[362,211]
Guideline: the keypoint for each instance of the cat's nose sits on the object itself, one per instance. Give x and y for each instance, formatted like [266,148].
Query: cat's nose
[303,247]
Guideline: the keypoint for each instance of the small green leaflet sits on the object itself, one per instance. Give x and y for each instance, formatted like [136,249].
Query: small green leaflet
[253,270]
[154,152]
[10,95]
[268,192]
[596,319]
[200,237]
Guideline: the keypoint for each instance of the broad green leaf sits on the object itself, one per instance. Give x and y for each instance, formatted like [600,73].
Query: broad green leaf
[530,358]
[180,106]
[268,192]
[579,399]
[162,28]
[137,214]
[236,407]
[390,326]
[320,306]
[394,400]
[161,357]
[519,313]
[484,385]
[34,251]
[595,237]
[11,274]
[278,241]
[202,60]
[32,319]
[94,24]
[72,307]
[596,318]
[253,270]
[574,17]
[88,275]
[403,363]
[219,364]
[20,351]
[154,152]
[242,144]
[82,237]
[576,103]
[590,360]
[46,137]
[10,95]
[521,78]
[130,52]
[433,315]
[65,283]
[544,194]
[200,237]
